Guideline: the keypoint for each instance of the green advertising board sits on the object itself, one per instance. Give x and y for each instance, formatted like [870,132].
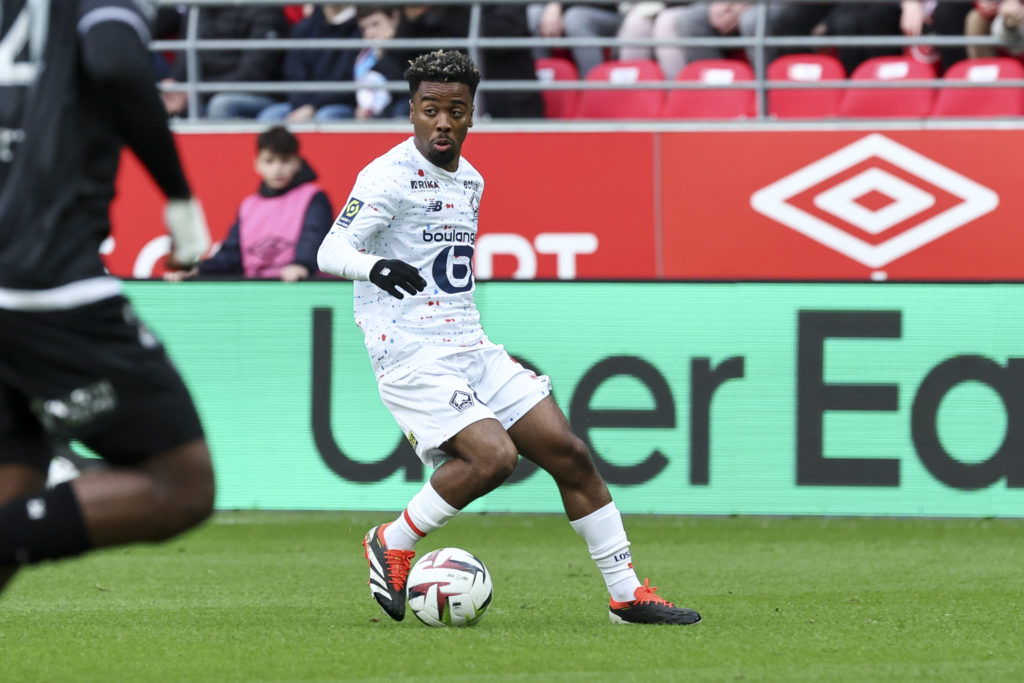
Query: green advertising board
[696,398]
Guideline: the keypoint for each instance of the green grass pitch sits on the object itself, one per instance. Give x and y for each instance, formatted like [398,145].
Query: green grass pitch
[265,596]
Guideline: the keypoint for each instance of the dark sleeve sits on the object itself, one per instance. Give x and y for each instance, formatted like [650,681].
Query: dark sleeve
[115,58]
[315,226]
[228,259]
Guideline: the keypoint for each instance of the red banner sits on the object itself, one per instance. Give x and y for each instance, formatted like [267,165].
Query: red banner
[836,205]
[554,205]
[908,205]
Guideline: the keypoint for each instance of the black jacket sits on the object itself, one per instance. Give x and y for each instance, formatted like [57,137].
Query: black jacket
[236,65]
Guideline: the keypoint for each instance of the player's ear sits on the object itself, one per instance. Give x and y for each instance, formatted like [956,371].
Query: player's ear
[412,109]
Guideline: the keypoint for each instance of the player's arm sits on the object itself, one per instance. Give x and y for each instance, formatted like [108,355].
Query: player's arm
[339,255]
[113,38]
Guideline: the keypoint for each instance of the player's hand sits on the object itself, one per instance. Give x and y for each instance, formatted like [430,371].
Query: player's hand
[190,238]
[393,275]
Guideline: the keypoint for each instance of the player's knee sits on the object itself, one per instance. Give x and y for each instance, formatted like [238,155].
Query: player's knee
[186,489]
[573,464]
[577,453]
[499,466]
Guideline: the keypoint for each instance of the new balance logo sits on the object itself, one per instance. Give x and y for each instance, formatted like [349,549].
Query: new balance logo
[886,200]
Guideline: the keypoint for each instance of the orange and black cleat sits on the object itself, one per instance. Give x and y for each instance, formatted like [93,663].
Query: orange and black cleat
[388,571]
[649,608]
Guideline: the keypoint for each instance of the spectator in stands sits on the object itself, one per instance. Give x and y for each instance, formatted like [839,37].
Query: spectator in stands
[657,20]
[575,20]
[330,20]
[705,19]
[165,26]
[501,20]
[845,19]
[376,66]
[224,66]
[1008,25]
[909,18]
[941,18]
[279,228]
[979,23]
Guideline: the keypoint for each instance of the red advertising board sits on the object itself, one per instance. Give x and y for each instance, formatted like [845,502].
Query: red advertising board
[736,204]
[554,206]
[847,205]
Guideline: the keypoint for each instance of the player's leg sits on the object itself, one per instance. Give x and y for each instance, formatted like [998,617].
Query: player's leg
[96,375]
[452,430]
[159,498]
[543,435]
[16,481]
[162,496]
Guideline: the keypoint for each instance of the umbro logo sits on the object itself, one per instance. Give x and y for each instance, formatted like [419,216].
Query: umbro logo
[874,200]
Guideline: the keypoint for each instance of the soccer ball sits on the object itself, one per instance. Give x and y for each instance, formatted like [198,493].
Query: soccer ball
[449,587]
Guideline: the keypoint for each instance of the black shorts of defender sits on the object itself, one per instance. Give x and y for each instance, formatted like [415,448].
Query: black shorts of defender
[95,374]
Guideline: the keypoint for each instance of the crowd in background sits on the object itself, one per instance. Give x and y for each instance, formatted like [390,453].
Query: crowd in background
[627,21]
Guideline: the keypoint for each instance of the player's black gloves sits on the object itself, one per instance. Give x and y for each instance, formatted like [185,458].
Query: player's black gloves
[392,274]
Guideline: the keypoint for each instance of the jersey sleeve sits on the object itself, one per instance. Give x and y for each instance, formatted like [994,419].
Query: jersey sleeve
[136,15]
[371,208]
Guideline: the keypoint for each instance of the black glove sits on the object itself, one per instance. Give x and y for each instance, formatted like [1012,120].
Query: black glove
[390,274]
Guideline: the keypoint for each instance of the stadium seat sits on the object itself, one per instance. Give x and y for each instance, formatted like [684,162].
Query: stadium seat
[622,104]
[558,104]
[982,101]
[889,102]
[810,103]
[717,101]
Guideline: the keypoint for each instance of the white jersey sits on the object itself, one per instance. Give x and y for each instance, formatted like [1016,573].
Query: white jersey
[404,207]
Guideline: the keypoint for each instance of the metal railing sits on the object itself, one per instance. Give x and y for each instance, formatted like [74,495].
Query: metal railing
[760,43]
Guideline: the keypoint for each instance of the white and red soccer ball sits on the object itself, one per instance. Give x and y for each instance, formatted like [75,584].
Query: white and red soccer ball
[449,587]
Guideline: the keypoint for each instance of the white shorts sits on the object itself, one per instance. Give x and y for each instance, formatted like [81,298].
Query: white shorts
[436,401]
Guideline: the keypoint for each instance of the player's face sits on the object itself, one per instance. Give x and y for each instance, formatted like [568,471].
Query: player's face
[277,170]
[442,114]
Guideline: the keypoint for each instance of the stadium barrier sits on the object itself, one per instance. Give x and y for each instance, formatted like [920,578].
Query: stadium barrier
[760,44]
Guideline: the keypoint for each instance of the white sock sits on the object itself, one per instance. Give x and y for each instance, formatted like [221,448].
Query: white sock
[426,512]
[606,538]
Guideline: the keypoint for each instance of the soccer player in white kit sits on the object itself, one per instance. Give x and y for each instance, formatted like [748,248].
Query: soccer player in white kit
[406,237]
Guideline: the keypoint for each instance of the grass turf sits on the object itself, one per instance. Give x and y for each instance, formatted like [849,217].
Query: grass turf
[265,596]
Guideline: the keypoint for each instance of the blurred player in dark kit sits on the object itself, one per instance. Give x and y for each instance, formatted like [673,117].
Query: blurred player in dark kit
[75,363]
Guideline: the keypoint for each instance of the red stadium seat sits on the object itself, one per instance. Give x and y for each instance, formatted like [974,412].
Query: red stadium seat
[558,104]
[805,68]
[622,104]
[982,101]
[717,101]
[889,102]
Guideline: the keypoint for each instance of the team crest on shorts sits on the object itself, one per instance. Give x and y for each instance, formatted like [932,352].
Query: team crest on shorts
[412,439]
[461,400]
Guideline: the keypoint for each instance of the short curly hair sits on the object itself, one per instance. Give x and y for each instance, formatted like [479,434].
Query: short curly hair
[442,66]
